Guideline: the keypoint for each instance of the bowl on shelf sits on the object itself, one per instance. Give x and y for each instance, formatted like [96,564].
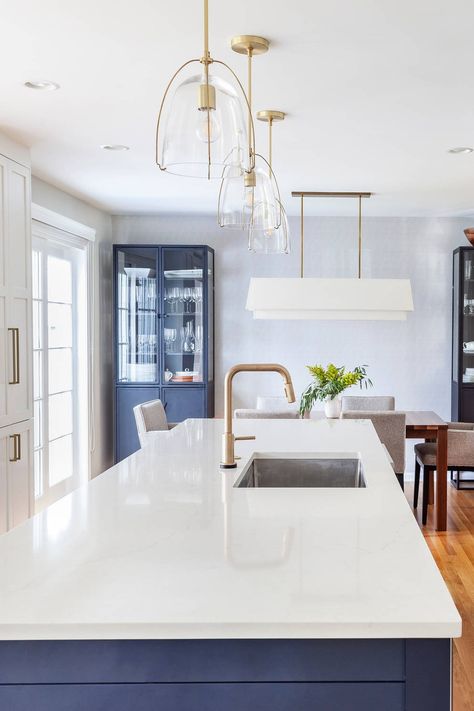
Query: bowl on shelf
[185,376]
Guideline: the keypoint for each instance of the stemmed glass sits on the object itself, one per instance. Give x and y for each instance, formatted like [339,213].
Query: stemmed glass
[187,298]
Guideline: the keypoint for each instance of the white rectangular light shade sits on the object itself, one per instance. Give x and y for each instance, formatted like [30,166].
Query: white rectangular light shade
[330,299]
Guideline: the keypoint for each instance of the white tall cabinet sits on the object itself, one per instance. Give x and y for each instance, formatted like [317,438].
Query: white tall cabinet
[16,378]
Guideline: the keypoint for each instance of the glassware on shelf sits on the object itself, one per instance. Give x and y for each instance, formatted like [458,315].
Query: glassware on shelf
[198,339]
[169,336]
[187,299]
[189,345]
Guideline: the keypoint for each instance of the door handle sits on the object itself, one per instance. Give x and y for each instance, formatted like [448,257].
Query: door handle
[15,355]
[16,447]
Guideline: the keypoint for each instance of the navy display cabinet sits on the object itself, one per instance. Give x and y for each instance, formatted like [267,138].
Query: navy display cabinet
[163,334]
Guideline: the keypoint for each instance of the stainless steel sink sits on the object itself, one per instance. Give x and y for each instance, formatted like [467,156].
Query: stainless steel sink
[321,472]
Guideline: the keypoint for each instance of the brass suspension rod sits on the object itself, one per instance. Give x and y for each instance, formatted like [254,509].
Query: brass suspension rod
[305,193]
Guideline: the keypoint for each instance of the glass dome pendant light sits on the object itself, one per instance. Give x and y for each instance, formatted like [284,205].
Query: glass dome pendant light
[201,127]
[242,190]
[270,239]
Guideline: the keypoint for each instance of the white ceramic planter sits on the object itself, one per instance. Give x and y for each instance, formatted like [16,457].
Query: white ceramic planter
[332,408]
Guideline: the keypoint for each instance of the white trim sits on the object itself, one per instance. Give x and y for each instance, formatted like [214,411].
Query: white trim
[60,222]
[46,231]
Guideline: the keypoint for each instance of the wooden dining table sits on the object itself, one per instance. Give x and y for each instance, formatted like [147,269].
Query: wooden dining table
[427,425]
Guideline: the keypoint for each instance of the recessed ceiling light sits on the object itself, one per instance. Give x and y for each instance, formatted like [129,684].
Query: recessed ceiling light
[461,149]
[42,85]
[115,147]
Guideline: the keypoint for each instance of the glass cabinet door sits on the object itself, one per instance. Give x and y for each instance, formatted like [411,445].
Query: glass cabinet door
[137,300]
[468,318]
[183,323]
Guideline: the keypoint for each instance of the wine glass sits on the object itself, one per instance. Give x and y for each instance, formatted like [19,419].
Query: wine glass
[187,298]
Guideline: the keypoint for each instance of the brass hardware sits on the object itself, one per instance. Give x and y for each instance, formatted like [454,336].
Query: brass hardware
[360,236]
[207,97]
[250,179]
[270,115]
[16,447]
[243,44]
[303,193]
[302,237]
[15,356]
[228,438]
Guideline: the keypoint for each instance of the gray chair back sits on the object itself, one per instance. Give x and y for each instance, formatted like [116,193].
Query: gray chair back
[368,402]
[150,417]
[390,428]
[256,414]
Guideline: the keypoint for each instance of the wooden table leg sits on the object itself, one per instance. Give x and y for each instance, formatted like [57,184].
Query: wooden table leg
[442,480]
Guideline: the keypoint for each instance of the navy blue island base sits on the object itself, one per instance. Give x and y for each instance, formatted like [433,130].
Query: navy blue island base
[226,675]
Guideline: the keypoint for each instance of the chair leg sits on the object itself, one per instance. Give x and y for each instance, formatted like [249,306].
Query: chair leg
[426,494]
[417,483]
[457,480]
[401,480]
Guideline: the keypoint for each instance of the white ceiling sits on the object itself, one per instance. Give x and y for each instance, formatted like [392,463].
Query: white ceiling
[376,92]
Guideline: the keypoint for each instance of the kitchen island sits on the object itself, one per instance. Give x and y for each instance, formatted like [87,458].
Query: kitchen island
[160,585]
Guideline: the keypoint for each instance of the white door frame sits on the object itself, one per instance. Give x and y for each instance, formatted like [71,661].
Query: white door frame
[48,224]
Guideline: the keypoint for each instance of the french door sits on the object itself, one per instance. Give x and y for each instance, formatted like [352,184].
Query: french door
[60,368]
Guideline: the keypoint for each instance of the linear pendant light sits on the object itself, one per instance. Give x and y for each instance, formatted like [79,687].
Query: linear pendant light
[330,299]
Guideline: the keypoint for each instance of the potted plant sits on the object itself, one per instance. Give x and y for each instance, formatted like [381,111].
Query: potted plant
[327,385]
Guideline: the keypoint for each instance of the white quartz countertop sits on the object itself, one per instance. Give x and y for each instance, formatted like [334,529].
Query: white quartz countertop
[163,546]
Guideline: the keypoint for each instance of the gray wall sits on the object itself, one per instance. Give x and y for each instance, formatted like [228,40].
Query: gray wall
[411,360]
[54,199]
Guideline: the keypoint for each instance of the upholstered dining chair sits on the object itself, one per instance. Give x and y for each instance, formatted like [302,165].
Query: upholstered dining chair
[390,428]
[271,407]
[150,417]
[368,402]
[460,458]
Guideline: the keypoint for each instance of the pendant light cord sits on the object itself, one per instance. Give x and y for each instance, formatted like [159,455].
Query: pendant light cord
[249,95]
[270,146]
[206,29]
[360,236]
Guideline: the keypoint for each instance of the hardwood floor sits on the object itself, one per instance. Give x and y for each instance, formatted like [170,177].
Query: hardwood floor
[453,551]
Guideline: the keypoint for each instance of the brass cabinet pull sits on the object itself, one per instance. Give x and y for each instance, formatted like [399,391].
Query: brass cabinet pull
[16,355]
[16,447]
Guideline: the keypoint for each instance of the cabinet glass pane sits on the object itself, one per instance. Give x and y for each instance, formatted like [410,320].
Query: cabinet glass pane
[183,325]
[137,301]
[468,318]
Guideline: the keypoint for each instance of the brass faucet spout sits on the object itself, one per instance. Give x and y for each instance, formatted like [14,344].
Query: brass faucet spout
[228,438]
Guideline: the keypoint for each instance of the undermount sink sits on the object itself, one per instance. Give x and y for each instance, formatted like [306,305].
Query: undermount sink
[310,471]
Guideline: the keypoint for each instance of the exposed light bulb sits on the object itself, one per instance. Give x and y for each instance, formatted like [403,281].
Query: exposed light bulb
[208,130]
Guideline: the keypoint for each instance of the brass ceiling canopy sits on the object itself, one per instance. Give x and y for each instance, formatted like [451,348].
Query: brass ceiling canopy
[270,115]
[245,44]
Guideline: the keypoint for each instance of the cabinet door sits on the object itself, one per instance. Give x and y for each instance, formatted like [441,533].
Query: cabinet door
[182,402]
[16,475]
[15,293]
[3,484]
[126,435]
[18,360]
[18,236]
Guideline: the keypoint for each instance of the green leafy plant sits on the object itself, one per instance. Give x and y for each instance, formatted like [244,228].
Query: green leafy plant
[329,382]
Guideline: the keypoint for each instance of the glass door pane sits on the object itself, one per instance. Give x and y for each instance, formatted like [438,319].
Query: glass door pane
[183,325]
[137,300]
[468,319]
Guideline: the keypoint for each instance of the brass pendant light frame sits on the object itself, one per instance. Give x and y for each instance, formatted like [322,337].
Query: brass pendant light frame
[253,45]
[207,102]
[304,194]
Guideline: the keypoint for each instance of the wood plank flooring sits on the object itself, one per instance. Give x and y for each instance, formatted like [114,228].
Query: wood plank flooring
[453,551]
